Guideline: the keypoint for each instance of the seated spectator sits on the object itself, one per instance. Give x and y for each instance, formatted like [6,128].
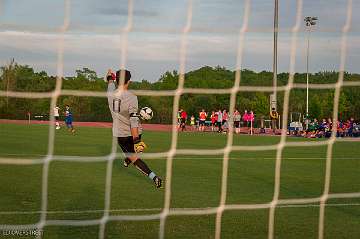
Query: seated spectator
[350,127]
[322,126]
[328,128]
[339,129]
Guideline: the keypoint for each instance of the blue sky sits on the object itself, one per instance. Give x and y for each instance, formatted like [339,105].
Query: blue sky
[28,33]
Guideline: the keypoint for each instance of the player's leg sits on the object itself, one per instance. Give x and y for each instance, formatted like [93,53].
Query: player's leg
[220,126]
[57,124]
[122,142]
[68,126]
[127,146]
[183,124]
[71,127]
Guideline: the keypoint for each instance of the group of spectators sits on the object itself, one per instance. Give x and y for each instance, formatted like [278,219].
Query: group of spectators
[316,129]
[217,120]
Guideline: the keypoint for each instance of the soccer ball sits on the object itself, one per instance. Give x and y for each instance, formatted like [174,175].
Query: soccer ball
[146,113]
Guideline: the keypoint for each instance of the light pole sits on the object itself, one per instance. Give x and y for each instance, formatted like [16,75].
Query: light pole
[309,22]
[273,97]
[275,49]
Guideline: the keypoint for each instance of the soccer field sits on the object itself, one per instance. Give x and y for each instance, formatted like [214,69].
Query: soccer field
[76,190]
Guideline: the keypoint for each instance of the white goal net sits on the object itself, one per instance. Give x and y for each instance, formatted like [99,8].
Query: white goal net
[169,155]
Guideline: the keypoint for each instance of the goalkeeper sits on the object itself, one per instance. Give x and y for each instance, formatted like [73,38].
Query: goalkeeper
[126,126]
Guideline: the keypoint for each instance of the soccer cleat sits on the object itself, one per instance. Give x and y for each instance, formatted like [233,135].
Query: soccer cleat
[158,182]
[126,164]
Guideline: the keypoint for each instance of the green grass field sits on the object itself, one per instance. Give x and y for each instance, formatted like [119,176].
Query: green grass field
[76,189]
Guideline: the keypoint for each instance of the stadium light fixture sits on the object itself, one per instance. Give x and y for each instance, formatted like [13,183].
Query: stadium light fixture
[309,22]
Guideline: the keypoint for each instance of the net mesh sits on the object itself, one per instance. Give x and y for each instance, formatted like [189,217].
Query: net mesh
[167,211]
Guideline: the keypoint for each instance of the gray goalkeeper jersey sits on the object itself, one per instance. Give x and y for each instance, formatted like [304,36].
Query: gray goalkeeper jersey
[123,107]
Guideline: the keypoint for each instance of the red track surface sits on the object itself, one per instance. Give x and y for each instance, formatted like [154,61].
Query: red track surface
[150,127]
[153,127]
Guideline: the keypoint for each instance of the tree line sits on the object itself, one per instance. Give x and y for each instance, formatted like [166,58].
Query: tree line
[23,78]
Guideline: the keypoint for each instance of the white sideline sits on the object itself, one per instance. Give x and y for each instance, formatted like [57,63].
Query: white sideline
[120,156]
[228,207]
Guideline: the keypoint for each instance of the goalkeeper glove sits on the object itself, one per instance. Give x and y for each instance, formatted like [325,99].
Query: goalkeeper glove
[139,146]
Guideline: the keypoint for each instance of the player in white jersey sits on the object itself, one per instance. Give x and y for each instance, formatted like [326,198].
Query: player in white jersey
[56,115]
[126,128]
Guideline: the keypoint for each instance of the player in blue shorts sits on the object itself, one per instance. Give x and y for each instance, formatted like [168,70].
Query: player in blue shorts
[69,119]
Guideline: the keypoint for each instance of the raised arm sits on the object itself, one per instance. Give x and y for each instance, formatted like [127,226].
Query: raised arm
[110,90]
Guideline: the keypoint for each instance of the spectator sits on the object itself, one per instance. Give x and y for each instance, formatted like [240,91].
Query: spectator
[262,125]
[219,120]
[324,129]
[179,118]
[202,119]
[321,129]
[183,119]
[274,116]
[192,122]
[350,127]
[312,129]
[328,128]
[213,118]
[225,119]
[339,129]
[251,118]
[237,118]
[330,124]
[245,118]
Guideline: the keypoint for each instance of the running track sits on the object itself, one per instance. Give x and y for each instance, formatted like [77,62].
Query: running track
[150,127]
[153,127]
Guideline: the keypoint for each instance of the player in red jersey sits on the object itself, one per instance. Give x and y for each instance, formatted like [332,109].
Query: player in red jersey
[213,120]
[183,116]
[202,119]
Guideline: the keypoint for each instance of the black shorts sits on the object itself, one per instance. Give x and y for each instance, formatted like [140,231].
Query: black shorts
[183,120]
[127,144]
[237,124]
[56,117]
[202,122]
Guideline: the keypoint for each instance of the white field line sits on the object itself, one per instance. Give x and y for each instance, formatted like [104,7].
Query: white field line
[160,209]
[103,157]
